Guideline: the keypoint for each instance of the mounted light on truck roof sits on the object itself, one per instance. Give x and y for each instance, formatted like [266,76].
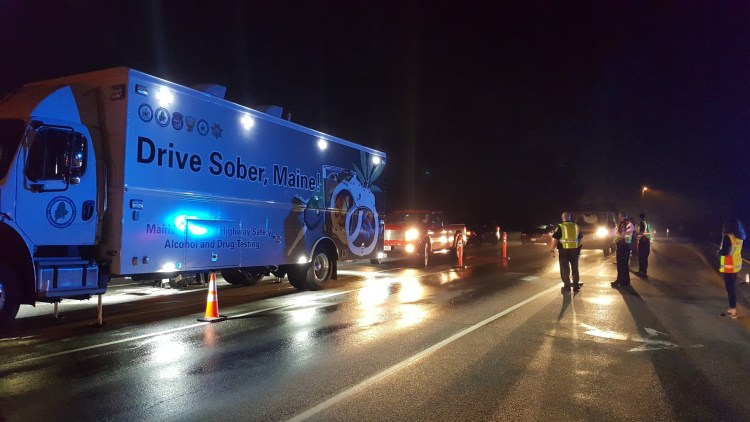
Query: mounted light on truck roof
[141,90]
[376,160]
[322,144]
[247,121]
[165,97]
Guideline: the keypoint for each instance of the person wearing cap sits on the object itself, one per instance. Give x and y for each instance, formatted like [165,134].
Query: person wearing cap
[623,238]
[644,245]
[567,240]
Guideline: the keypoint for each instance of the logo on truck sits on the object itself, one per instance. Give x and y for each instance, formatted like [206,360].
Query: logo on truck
[162,117]
[61,212]
[177,121]
[202,127]
[145,113]
[354,217]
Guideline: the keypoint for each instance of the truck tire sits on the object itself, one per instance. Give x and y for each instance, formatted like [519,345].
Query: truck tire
[296,275]
[315,274]
[242,276]
[9,302]
[376,261]
[320,269]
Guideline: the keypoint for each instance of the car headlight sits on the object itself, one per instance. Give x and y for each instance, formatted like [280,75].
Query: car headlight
[601,232]
[412,234]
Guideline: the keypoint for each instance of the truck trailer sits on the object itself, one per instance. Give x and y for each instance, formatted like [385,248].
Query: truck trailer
[117,173]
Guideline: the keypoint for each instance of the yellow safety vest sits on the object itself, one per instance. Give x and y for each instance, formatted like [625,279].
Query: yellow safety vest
[569,238]
[732,262]
[647,228]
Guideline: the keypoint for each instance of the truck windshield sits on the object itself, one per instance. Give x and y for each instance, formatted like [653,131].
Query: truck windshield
[11,131]
[591,219]
[403,217]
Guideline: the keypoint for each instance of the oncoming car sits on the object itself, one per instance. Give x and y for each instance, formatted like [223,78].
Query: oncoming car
[598,228]
[540,233]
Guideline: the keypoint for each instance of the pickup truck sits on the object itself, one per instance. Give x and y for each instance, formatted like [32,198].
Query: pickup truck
[420,234]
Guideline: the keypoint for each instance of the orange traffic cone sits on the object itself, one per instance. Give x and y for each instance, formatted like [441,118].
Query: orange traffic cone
[460,254]
[212,303]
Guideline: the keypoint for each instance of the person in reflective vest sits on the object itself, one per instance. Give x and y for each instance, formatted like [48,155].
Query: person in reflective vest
[644,245]
[623,238]
[567,239]
[730,261]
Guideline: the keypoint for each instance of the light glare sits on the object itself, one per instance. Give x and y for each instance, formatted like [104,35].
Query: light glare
[247,122]
[164,97]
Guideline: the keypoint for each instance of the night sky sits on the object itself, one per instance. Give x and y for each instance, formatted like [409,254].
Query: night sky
[512,112]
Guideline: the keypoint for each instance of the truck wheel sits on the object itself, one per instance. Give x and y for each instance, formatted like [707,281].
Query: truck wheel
[423,257]
[320,269]
[313,275]
[242,276]
[376,261]
[9,302]
[296,275]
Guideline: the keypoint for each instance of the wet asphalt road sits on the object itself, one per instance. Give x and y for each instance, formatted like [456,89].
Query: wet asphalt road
[494,341]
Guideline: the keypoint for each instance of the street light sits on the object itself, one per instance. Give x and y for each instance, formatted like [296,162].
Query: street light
[643,192]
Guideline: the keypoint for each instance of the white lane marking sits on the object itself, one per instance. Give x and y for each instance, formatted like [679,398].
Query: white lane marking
[171,330]
[410,360]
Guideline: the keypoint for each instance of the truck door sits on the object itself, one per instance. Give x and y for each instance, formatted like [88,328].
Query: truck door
[57,186]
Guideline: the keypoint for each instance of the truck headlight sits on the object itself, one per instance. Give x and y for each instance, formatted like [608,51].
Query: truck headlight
[601,232]
[412,234]
[409,248]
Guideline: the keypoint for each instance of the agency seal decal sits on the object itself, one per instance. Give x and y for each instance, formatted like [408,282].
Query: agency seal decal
[189,123]
[145,113]
[162,117]
[216,130]
[61,212]
[202,127]
[177,121]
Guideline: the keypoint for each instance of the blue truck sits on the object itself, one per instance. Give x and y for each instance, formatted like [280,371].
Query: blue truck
[118,173]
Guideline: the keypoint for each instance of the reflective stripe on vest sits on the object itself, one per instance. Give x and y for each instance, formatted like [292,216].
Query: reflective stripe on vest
[732,262]
[569,238]
[647,229]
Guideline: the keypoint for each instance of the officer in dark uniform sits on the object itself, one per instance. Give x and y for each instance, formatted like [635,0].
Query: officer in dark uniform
[624,237]
[644,245]
[567,239]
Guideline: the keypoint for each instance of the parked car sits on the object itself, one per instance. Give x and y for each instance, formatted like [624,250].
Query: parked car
[538,233]
[483,233]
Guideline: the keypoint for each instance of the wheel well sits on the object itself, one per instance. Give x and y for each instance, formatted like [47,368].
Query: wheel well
[17,258]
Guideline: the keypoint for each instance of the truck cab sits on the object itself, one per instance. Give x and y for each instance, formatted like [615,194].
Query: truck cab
[49,206]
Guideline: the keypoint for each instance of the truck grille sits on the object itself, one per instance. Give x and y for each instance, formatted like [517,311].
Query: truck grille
[394,235]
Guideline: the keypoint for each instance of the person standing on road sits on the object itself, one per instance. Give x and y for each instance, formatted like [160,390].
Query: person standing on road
[644,245]
[730,261]
[567,239]
[623,238]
